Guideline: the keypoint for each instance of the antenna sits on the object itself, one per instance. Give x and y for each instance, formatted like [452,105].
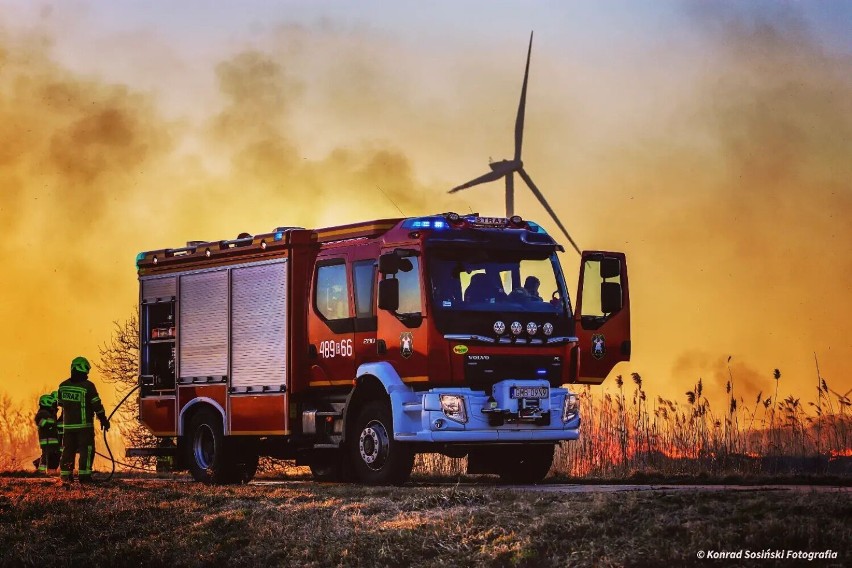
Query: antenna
[507,168]
[392,201]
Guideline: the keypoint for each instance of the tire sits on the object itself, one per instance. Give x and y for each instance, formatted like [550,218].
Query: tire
[527,464]
[327,466]
[212,457]
[378,459]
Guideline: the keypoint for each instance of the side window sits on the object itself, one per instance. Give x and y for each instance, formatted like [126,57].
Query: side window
[364,276]
[409,289]
[592,280]
[331,294]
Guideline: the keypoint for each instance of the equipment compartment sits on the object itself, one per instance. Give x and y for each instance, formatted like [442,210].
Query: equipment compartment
[157,327]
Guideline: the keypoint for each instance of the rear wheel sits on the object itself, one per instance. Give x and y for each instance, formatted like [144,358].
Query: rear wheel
[214,458]
[527,464]
[377,458]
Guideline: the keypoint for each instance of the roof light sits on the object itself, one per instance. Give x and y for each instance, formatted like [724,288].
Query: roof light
[535,228]
[435,223]
[139,258]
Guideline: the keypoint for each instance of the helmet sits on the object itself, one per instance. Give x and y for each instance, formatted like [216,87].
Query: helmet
[80,364]
[47,399]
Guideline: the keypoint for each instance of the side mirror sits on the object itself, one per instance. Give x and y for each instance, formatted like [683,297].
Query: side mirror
[610,297]
[389,294]
[610,267]
[389,263]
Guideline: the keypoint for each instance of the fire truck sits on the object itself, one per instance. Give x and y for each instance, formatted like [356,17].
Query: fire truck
[352,348]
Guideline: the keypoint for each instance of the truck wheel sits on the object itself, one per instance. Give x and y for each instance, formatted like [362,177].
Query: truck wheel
[210,455]
[327,465]
[528,464]
[376,457]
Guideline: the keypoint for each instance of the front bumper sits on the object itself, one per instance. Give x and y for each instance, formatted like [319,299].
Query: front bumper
[419,417]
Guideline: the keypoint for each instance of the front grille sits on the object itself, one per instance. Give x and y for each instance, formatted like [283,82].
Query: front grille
[482,371]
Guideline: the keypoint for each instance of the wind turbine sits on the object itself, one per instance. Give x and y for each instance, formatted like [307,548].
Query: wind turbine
[507,168]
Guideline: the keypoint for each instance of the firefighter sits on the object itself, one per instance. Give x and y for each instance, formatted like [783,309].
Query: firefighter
[80,402]
[48,433]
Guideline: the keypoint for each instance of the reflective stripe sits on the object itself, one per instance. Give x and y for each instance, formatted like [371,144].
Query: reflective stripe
[79,426]
[52,441]
[96,399]
[85,472]
[42,422]
[89,458]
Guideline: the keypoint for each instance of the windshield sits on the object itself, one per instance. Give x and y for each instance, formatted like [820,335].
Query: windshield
[484,280]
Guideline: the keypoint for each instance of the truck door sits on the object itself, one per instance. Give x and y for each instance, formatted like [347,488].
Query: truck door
[331,322]
[401,338]
[603,314]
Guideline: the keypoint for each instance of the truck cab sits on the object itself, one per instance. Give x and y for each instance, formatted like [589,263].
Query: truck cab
[465,326]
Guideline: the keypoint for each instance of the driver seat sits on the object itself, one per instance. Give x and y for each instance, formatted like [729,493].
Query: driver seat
[478,290]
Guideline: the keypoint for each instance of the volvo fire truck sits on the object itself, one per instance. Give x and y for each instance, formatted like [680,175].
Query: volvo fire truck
[351,349]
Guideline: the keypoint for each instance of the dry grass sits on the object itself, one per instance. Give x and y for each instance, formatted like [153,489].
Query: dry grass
[624,432]
[150,523]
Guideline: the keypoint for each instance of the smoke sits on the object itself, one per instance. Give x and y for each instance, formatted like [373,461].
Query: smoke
[737,235]
[725,179]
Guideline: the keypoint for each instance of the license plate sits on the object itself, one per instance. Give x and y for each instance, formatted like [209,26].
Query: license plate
[529,392]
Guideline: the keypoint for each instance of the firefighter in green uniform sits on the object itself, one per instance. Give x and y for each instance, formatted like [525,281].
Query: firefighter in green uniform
[80,402]
[48,433]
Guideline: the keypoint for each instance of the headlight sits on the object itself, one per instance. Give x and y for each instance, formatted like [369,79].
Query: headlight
[570,407]
[453,407]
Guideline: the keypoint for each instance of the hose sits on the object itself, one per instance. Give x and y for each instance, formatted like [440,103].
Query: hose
[106,443]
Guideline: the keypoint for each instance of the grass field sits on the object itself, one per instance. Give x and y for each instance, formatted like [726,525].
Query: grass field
[139,522]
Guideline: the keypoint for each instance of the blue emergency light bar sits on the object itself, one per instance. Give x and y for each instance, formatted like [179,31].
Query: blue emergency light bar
[436,223]
[449,220]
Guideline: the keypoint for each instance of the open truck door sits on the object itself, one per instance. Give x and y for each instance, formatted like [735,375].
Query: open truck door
[602,315]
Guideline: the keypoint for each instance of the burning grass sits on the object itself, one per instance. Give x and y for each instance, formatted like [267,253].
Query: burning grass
[156,523]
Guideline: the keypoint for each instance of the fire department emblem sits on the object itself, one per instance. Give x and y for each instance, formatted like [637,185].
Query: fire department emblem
[598,346]
[406,344]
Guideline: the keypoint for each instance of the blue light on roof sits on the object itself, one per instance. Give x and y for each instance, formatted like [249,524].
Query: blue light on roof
[541,371]
[536,228]
[437,224]
[278,236]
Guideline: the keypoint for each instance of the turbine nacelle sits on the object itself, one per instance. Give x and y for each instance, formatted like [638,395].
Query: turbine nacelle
[506,166]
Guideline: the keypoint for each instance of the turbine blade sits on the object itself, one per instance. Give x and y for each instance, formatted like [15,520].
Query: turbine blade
[490,176]
[519,120]
[547,208]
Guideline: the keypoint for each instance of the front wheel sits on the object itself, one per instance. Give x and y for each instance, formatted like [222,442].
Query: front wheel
[527,464]
[376,457]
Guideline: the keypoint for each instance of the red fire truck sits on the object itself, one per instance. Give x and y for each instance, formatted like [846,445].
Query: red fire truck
[352,348]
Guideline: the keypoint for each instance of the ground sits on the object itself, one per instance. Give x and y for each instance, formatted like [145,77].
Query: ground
[153,522]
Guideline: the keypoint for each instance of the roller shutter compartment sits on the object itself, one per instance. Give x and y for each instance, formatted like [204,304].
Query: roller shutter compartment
[259,327]
[203,322]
